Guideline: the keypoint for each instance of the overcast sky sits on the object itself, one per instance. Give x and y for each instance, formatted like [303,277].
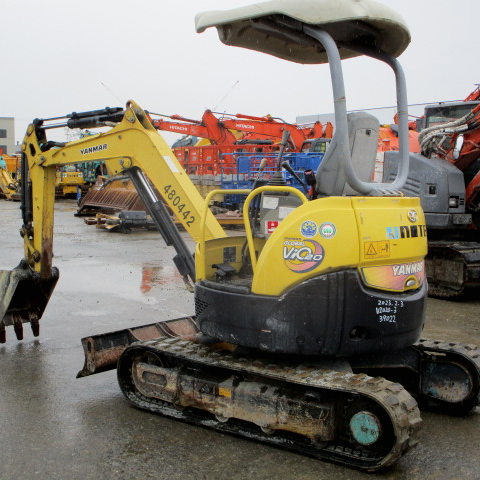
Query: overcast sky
[61,56]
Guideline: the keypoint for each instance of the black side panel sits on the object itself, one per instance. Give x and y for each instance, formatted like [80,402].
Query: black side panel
[333,314]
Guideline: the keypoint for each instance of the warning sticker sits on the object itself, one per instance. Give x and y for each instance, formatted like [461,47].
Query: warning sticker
[271,225]
[376,249]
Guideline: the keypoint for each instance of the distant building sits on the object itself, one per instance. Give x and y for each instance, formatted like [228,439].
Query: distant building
[7,135]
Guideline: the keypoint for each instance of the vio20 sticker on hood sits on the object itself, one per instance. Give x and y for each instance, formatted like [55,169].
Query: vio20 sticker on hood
[302,255]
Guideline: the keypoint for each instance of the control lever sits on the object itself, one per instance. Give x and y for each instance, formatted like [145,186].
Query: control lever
[290,170]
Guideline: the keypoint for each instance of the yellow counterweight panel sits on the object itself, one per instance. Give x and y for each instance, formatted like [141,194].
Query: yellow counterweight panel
[318,237]
[393,242]
[383,237]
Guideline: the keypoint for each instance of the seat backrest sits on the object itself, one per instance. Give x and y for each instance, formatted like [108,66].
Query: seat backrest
[363,131]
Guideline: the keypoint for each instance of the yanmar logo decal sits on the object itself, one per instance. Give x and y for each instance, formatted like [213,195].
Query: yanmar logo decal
[302,255]
[398,277]
[407,269]
[96,148]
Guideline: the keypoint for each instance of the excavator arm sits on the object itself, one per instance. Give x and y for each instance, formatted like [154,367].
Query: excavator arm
[209,128]
[132,147]
[219,130]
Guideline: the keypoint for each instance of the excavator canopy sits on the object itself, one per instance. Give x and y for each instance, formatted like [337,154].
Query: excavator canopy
[276,28]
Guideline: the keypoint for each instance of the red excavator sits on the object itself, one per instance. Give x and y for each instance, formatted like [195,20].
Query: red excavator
[258,133]
[209,127]
[219,130]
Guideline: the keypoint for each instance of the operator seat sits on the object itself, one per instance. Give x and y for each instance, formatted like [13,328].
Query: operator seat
[363,132]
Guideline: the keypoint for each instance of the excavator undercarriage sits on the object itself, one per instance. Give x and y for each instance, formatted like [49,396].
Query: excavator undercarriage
[453,268]
[350,418]
[362,412]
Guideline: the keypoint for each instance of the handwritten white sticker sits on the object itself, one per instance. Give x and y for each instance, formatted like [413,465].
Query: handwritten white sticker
[284,211]
[171,164]
[270,202]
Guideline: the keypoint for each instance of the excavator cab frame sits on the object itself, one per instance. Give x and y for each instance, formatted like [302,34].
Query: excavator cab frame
[326,34]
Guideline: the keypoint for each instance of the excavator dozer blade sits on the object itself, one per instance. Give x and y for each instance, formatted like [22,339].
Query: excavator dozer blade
[103,351]
[23,298]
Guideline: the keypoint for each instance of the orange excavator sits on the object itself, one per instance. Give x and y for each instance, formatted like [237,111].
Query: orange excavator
[219,130]
[236,139]
[209,127]
[388,137]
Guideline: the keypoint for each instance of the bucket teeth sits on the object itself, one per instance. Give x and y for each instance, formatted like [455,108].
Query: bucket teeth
[35,324]
[18,328]
[24,295]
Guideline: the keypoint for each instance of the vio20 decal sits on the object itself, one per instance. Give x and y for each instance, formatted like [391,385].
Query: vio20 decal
[302,255]
[406,231]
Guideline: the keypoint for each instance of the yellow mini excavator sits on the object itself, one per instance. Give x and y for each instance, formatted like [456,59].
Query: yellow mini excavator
[8,186]
[306,329]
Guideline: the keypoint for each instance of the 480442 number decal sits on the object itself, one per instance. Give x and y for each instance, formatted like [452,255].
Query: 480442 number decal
[176,201]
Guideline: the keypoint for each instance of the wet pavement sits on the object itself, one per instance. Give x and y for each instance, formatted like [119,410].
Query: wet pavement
[53,426]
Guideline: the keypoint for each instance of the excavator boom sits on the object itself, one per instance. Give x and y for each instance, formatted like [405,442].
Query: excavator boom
[209,127]
[131,147]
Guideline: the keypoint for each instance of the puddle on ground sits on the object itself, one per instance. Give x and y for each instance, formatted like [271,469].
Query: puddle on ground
[148,283]
[153,275]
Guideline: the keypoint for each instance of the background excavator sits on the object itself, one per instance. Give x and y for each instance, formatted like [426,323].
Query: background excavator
[8,176]
[290,322]
[234,136]
[239,145]
[447,179]
[229,161]
[452,132]
[219,130]
[8,186]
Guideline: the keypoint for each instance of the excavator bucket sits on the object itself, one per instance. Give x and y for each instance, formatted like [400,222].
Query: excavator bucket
[111,195]
[23,298]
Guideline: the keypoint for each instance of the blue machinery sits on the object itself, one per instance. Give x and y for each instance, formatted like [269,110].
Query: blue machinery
[240,169]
